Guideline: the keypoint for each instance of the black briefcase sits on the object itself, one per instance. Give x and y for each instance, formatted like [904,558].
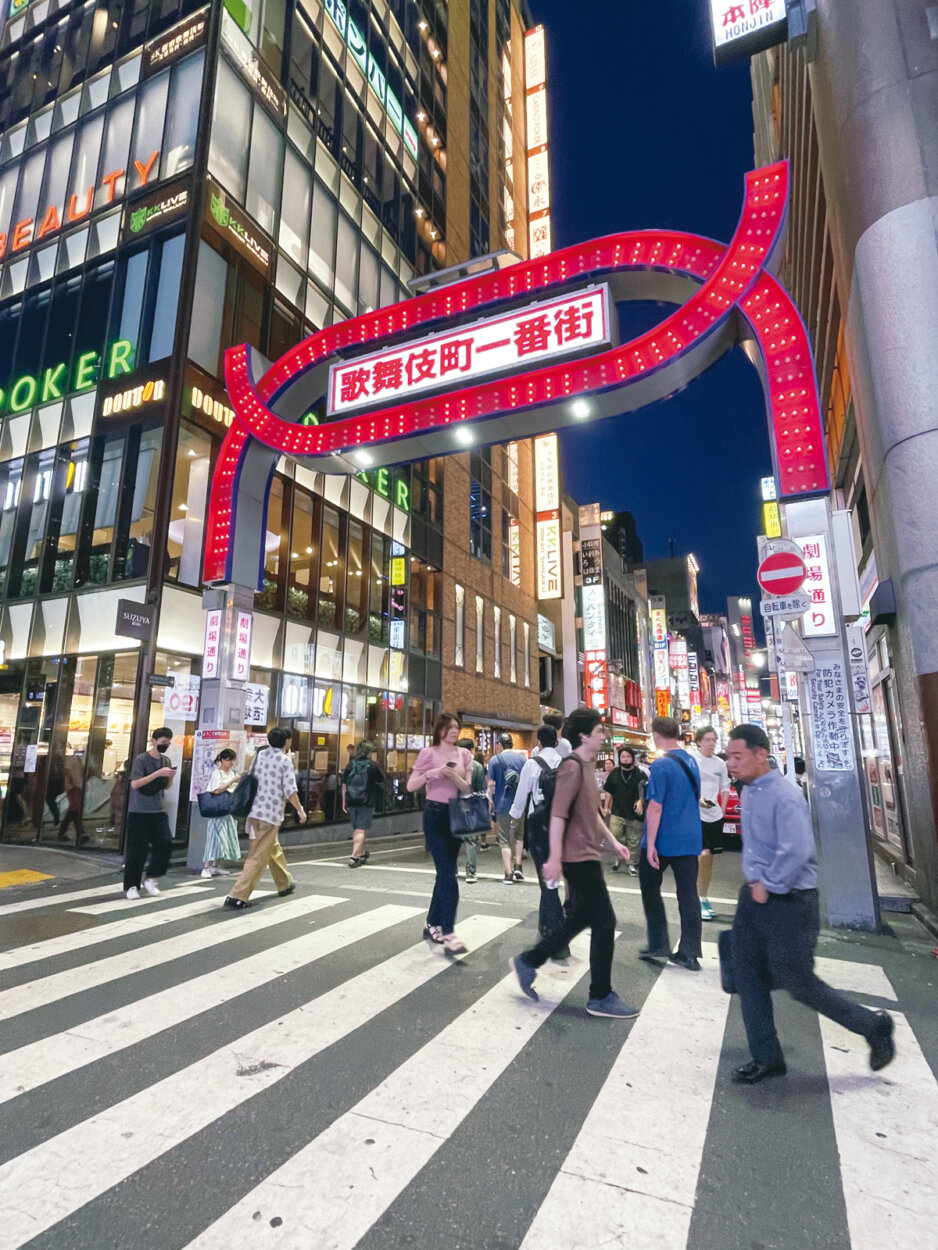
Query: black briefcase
[725,947]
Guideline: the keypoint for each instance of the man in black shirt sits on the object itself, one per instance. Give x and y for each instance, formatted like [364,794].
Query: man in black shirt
[624,804]
[362,782]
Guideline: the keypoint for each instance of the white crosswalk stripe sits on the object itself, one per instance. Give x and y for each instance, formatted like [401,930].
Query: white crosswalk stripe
[142,903]
[53,900]
[32,994]
[51,1057]
[635,1163]
[629,1171]
[41,1187]
[65,943]
[367,1157]
[887,1132]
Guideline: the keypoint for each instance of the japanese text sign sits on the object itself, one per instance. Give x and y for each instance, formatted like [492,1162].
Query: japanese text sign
[211,648]
[830,712]
[818,621]
[597,687]
[546,473]
[241,657]
[741,22]
[594,618]
[540,332]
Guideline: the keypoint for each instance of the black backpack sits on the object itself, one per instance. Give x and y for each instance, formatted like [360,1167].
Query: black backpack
[537,816]
[356,782]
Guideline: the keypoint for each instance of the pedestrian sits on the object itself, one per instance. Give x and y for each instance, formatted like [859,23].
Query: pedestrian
[445,771]
[532,804]
[714,790]
[478,787]
[777,921]
[147,822]
[577,833]
[504,772]
[276,786]
[74,798]
[555,720]
[221,832]
[478,762]
[671,840]
[362,783]
[624,803]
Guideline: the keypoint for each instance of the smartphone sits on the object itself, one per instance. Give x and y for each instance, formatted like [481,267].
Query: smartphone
[451,764]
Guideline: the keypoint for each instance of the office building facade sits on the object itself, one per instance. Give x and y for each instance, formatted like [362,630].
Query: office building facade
[175,179]
[860,263]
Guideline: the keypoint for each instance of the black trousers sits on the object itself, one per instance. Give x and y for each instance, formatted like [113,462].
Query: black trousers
[773,948]
[684,868]
[146,830]
[590,909]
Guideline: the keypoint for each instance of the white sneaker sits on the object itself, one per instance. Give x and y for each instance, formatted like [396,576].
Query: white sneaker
[150,886]
[207,873]
[132,893]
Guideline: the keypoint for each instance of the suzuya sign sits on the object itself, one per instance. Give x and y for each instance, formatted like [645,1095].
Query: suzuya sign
[321,402]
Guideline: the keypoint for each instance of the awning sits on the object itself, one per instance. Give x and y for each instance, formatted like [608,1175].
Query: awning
[497,722]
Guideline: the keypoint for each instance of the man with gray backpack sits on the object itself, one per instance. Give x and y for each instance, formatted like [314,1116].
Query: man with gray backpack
[362,781]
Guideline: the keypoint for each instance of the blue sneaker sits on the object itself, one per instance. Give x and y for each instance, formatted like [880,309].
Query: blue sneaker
[706,911]
[613,1006]
[525,974]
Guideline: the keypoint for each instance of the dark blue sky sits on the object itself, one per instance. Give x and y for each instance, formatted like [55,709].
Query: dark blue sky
[644,132]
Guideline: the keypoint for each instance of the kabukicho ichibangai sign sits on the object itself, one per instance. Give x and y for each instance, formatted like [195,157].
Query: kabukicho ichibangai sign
[518,353]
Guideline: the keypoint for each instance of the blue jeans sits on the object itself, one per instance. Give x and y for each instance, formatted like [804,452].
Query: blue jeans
[445,851]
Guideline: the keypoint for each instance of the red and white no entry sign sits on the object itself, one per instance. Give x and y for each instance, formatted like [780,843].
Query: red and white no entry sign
[781,573]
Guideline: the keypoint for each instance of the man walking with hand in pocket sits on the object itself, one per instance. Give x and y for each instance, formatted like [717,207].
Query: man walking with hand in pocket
[276,786]
[672,840]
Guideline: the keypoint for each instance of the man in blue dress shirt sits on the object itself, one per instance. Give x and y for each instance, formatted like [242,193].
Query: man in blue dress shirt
[777,917]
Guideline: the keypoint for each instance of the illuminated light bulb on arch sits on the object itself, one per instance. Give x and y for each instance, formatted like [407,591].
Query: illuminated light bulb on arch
[464,435]
[580,409]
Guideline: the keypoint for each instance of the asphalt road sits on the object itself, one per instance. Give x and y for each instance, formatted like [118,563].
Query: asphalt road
[309,1074]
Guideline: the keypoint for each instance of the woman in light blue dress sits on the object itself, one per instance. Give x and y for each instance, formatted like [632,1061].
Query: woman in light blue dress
[221,834]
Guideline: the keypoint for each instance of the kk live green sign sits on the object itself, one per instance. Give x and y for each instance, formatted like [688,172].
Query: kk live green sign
[56,382]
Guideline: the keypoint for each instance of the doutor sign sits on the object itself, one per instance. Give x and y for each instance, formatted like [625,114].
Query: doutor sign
[781,573]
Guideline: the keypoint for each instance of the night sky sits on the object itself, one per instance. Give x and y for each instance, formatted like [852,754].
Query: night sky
[644,132]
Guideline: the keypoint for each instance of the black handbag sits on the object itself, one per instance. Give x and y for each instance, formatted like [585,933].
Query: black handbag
[469,815]
[236,802]
[215,805]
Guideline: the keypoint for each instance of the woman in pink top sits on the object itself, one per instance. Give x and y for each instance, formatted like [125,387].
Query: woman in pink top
[446,771]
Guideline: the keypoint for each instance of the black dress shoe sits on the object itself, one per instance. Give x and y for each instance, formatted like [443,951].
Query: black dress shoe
[236,904]
[652,956]
[289,890]
[882,1046]
[752,1073]
[684,961]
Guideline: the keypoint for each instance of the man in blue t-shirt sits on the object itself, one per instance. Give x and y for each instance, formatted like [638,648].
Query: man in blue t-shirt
[504,772]
[672,839]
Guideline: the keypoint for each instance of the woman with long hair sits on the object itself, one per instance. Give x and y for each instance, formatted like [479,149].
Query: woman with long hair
[445,770]
[221,833]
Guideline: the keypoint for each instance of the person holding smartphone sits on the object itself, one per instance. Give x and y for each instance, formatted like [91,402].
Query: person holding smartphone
[445,771]
[147,822]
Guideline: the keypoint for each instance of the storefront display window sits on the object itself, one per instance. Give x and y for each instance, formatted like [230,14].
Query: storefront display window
[270,597]
[330,575]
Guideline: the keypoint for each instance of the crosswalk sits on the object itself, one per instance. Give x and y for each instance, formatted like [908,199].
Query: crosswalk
[310,1075]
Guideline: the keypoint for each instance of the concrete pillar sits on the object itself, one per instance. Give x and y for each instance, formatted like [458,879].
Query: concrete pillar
[875,85]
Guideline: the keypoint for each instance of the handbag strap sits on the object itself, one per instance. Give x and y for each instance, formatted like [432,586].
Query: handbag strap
[695,785]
